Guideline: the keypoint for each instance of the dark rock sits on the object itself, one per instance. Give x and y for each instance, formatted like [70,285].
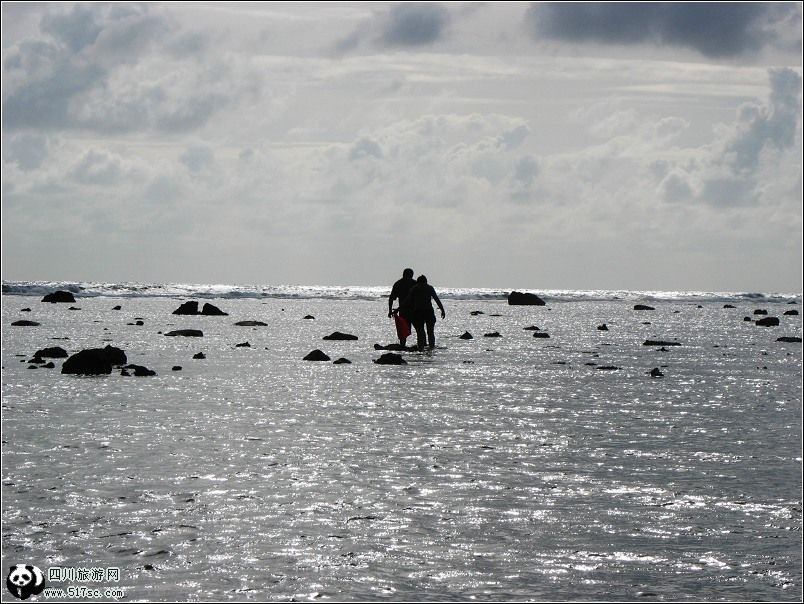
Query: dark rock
[337,335]
[541,334]
[760,311]
[25,310]
[56,352]
[395,347]
[493,334]
[115,355]
[49,365]
[342,361]
[747,319]
[524,299]
[316,355]
[251,324]
[607,368]
[603,327]
[118,307]
[199,355]
[466,336]
[24,323]
[243,345]
[93,361]
[389,358]
[212,310]
[474,313]
[788,339]
[768,322]
[660,343]
[187,308]
[531,328]
[190,333]
[59,296]
[140,371]
[124,373]
[643,307]
[791,312]
[655,372]
[728,306]
[309,317]
[73,308]
[176,368]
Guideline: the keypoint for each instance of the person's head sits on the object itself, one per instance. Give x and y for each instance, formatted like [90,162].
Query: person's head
[408,273]
[421,279]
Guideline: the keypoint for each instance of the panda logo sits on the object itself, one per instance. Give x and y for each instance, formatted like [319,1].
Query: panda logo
[25,581]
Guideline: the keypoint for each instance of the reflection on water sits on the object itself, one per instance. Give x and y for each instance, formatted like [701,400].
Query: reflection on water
[489,469]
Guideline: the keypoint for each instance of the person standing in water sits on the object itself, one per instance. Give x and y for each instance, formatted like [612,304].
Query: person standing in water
[400,292]
[423,314]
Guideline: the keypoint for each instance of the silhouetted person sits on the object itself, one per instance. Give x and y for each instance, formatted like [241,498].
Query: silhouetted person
[400,292]
[423,314]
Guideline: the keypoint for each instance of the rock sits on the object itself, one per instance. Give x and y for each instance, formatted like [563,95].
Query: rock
[747,319]
[190,333]
[176,368]
[337,335]
[728,306]
[199,355]
[531,328]
[791,312]
[59,296]
[49,365]
[603,327]
[251,324]
[768,322]
[243,345]
[24,323]
[25,310]
[309,317]
[395,347]
[389,358]
[115,355]
[342,361]
[187,308]
[118,307]
[524,299]
[212,310]
[656,372]
[607,368]
[660,343]
[643,307]
[139,370]
[56,352]
[124,373]
[92,361]
[541,334]
[493,334]
[760,311]
[73,308]
[474,313]
[466,336]
[788,339]
[316,355]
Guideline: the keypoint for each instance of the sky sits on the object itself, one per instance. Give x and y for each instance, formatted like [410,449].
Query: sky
[503,145]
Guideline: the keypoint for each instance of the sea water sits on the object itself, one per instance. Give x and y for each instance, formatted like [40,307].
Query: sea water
[496,468]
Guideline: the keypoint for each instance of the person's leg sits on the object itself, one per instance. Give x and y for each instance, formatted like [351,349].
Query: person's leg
[420,336]
[431,333]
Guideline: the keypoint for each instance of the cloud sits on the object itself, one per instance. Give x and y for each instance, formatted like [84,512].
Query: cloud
[28,151]
[413,24]
[198,158]
[716,30]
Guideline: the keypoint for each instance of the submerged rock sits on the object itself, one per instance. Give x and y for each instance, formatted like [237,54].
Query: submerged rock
[190,333]
[199,355]
[466,336]
[531,328]
[660,343]
[309,317]
[389,358]
[768,322]
[524,299]
[760,311]
[603,327]
[59,296]
[25,323]
[251,324]
[791,312]
[342,361]
[607,368]
[139,370]
[493,334]
[643,307]
[541,334]
[788,339]
[656,372]
[394,347]
[337,335]
[316,355]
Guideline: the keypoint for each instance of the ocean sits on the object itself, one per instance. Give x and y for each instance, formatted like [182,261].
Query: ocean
[502,468]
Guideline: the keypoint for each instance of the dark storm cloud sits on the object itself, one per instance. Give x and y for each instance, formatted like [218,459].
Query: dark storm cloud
[414,25]
[713,29]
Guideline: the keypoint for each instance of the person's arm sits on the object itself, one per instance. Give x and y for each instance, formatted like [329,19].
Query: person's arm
[391,299]
[440,306]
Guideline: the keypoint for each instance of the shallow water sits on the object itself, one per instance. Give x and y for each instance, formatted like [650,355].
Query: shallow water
[490,469]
